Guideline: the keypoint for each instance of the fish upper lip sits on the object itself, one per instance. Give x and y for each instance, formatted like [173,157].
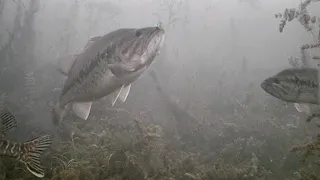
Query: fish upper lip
[264,85]
[157,30]
[267,89]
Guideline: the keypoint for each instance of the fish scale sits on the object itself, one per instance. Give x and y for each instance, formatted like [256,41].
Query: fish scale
[296,85]
[107,64]
[28,152]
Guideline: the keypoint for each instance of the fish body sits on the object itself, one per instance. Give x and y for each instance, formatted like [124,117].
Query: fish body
[28,152]
[107,64]
[296,85]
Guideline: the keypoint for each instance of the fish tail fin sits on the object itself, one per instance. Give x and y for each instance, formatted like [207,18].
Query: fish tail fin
[32,150]
[58,113]
[7,122]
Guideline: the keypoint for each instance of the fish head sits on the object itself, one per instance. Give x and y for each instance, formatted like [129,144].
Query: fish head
[141,46]
[151,39]
[281,87]
[293,85]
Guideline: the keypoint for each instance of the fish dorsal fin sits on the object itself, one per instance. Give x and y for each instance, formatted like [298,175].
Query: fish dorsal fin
[91,41]
[122,94]
[82,109]
[7,122]
[302,107]
[66,63]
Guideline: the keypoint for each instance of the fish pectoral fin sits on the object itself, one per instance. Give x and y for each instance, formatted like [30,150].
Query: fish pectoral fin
[124,93]
[34,149]
[65,64]
[117,96]
[90,42]
[302,107]
[7,122]
[93,39]
[297,106]
[82,109]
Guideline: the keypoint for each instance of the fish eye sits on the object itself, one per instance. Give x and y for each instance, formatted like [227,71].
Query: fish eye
[138,33]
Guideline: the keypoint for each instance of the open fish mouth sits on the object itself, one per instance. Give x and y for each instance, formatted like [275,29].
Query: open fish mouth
[157,34]
[265,85]
[155,42]
[278,92]
[158,30]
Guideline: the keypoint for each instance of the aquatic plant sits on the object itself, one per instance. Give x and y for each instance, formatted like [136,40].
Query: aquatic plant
[309,22]
[241,135]
[310,151]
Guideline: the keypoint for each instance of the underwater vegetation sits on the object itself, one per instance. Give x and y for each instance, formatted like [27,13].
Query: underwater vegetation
[250,137]
[310,151]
